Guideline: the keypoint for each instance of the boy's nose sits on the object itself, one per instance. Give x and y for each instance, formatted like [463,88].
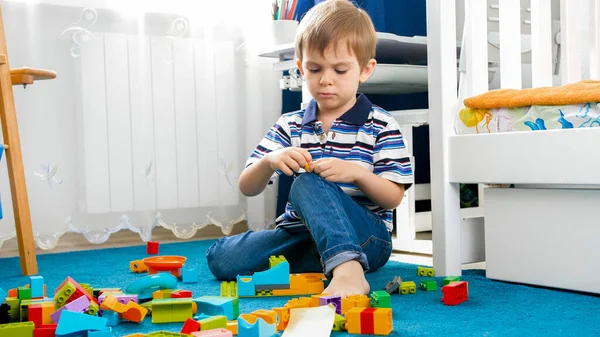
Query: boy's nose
[326,79]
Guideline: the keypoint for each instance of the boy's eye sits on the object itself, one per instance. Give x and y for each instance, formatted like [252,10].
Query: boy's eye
[315,70]
[341,72]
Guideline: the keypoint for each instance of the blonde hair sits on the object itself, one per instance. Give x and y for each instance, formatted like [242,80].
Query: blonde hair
[333,21]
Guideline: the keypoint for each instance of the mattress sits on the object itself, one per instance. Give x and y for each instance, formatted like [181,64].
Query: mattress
[530,118]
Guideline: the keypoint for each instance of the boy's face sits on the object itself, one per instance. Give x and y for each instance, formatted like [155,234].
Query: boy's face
[333,78]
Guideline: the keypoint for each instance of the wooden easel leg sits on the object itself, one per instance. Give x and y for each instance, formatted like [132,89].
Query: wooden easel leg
[14,158]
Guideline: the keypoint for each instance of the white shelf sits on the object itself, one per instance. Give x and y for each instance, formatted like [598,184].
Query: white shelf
[396,79]
[412,117]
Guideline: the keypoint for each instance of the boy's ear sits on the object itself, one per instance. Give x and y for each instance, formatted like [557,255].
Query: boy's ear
[299,65]
[367,70]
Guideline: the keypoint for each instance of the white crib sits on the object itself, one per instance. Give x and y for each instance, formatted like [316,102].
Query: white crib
[545,231]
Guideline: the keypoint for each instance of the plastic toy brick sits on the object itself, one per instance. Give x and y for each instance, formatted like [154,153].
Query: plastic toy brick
[36,283]
[190,326]
[449,279]
[339,323]
[152,248]
[276,277]
[377,321]
[190,274]
[14,292]
[353,320]
[87,288]
[216,305]
[284,318]
[301,302]
[233,326]
[113,317]
[270,316]
[24,293]
[455,293]
[428,285]
[162,293]
[23,329]
[146,285]
[246,286]
[382,318]
[303,284]
[336,300]
[45,330]
[214,322]
[408,287]
[181,294]
[71,322]
[121,298]
[425,271]
[213,333]
[4,313]
[23,307]
[39,313]
[131,311]
[250,326]
[79,305]
[62,297]
[367,322]
[393,285]
[99,291]
[104,333]
[165,334]
[138,266]
[171,310]
[355,301]
[14,309]
[229,289]
[3,295]
[381,299]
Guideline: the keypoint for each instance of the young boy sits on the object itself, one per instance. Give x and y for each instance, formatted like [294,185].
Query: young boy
[348,157]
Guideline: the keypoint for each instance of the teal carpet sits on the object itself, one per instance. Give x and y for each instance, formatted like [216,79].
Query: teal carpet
[493,308]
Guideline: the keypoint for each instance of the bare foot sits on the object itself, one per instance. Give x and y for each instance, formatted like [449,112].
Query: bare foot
[348,279]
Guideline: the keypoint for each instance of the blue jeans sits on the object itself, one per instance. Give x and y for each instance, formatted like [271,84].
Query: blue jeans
[336,230]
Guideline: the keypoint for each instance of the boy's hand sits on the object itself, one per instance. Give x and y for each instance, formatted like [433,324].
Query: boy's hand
[337,170]
[288,160]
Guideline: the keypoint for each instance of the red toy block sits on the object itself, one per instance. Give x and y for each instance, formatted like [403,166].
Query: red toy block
[455,293]
[367,324]
[152,247]
[190,326]
[35,314]
[181,294]
[45,330]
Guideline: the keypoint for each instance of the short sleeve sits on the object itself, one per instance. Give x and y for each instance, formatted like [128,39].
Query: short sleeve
[278,137]
[391,159]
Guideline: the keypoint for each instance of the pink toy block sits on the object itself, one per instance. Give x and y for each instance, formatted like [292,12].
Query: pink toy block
[213,333]
[80,305]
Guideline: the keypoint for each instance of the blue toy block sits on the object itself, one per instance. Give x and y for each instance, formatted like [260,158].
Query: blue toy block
[217,305]
[278,277]
[3,295]
[72,322]
[112,317]
[36,284]
[190,274]
[104,333]
[246,286]
[260,328]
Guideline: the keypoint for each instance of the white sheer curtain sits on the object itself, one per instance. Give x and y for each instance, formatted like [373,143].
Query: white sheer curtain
[155,108]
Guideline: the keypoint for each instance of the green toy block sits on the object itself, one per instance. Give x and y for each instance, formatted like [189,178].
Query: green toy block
[213,322]
[24,329]
[63,294]
[229,289]
[428,285]
[381,299]
[425,271]
[408,287]
[449,279]
[170,310]
[339,323]
[24,293]
[275,260]
[166,334]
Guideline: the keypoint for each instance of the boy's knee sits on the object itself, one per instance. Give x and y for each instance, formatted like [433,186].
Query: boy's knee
[307,183]
[219,263]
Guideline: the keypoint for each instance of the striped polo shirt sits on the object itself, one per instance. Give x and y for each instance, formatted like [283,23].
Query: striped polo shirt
[366,135]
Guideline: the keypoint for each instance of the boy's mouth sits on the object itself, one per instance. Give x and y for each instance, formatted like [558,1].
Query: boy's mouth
[326,95]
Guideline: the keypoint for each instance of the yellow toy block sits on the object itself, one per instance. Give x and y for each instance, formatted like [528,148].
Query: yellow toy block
[229,289]
[233,327]
[355,301]
[213,322]
[353,320]
[339,323]
[162,293]
[408,288]
[315,300]
[382,321]
[303,284]
[275,260]
[425,271]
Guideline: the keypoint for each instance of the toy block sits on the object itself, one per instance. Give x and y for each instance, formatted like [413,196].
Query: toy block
[382,321]
[355,301]
[162,293]
[214,322]
[24,293]
[71,322]
[250,326]
[393,285]
[22,329]
[190,326]
[112,317]
[455,293]
[270,316]
[171,310]
[40,313]
[4,313]
[165,334]
[138,266]
[228,289]
[303,284]
[367,323]
[23,307]
[245,286]
[449,279]
[181,294]
[301,302]
[134,313]
[353,317]
[190,274]
[339,323]
[428,285]
[99,291]
[284,318]
[87,288]
[3,295]
[381,299]
[152,247]
[336,300]
[408,287]
[277,277]
[45,330]
[104,333]
[216,305]
[213,333]
[425,271]
[14,308]
[233,326]
[79,305]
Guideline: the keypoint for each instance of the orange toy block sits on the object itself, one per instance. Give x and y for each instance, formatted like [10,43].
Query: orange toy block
[270,316]
[233,327]
[355,301]
[131,311]
[284,318]
[39,313]
[303,284]
[369,321]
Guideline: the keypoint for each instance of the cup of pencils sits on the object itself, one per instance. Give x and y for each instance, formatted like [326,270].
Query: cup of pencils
[284,21]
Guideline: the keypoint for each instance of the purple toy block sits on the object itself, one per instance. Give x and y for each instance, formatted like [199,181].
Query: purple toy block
[336,300]
[80,305]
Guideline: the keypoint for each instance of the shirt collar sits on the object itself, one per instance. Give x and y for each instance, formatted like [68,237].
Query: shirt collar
[358,114]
